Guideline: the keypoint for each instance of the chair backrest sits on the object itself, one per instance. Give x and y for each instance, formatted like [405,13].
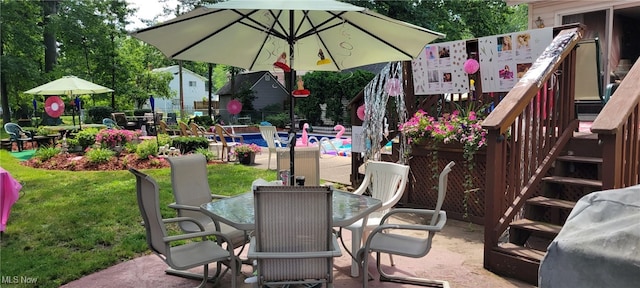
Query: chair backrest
[269,134]
[120,118]
[190,185]
[163,127]
[149,205]
[385,181]
[292,219]
[184,129]
[109,123]
[307,163]
[442,190]
[221,134]
[195,130]
[13,130]
[189,180]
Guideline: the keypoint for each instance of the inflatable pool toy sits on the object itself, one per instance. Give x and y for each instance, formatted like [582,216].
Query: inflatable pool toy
[306,140]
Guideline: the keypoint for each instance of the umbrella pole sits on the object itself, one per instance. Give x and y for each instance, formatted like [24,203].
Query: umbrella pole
[292,127]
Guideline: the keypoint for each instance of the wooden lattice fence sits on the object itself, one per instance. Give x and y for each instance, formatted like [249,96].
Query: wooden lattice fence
[423,186]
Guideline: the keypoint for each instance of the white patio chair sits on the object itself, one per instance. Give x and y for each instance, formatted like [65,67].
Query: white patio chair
[383,239]
[184,256]
[270,135]
[294,241]
[385,181]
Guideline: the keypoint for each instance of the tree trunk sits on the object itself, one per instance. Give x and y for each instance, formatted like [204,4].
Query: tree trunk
[50,8]
[4,98]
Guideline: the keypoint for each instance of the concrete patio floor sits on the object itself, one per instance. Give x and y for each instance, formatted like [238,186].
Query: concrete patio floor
[456,256]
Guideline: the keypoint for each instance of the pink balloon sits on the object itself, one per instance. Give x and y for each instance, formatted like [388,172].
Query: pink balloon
[234,106]
[394,87]
[360,112]
[471,66]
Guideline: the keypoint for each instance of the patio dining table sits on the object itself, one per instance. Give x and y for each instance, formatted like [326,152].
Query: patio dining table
[238,211]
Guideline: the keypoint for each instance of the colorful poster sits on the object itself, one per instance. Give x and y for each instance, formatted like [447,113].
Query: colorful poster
[439,69]
[504,59]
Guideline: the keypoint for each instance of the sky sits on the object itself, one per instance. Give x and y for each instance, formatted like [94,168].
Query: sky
[147,10]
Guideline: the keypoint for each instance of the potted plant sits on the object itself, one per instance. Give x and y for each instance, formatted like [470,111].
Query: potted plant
[246,153]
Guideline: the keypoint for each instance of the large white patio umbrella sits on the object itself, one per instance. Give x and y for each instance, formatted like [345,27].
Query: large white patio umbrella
[68,85]
[323,35]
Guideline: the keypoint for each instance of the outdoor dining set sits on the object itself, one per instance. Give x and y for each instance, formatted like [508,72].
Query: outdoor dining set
[292,232]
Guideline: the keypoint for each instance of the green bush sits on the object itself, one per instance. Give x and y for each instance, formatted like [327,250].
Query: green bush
[72,143]
[130,147]
[43,131]
[96,114]
[140,112]
[99,155]
[189,144]
[204,121]
[164,139]
[86,137]
[279,120]
[44,154]
[207,154]
[147,148]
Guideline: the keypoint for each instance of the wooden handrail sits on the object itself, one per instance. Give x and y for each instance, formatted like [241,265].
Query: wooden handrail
[621,104]
[521,94]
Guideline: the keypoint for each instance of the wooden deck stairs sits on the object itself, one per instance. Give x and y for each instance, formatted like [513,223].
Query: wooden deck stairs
[577,172]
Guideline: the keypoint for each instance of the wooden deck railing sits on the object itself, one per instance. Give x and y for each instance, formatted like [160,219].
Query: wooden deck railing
[526,132]
[618,129]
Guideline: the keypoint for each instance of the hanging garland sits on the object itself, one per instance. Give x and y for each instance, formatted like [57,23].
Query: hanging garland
[376,95]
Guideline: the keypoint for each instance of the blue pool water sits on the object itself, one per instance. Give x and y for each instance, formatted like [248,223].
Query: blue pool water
[256,138]
[342,149]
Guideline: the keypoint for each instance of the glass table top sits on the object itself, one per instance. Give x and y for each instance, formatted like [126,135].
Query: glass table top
[238,211]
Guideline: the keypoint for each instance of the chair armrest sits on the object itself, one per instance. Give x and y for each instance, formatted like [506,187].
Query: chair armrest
[184,207]
[233,136]
[253,254]
[363,186]
[218,196]
[183,219]
[203,233]
[442,219]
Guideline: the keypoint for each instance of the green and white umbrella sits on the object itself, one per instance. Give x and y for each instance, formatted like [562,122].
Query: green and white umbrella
[68,85]
[304,35]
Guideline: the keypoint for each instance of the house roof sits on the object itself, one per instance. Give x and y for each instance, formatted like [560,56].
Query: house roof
[175,68]
[249,78]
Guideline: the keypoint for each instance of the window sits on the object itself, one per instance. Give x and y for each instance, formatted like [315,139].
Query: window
[192,84]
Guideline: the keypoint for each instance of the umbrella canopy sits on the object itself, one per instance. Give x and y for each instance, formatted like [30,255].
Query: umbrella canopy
[68,85]
[258,35]
[253,34]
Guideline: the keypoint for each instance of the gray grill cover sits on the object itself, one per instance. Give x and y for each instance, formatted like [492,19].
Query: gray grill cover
[599,245]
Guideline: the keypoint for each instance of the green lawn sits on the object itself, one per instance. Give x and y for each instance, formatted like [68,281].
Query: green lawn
[69,224]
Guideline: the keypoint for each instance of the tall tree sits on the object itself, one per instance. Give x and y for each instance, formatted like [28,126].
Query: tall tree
[21,53]
[50,8]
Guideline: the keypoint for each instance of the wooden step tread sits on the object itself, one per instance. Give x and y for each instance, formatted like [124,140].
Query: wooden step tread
[513,249]
[574,181]
[581,159]
[551,202]
[536,226]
